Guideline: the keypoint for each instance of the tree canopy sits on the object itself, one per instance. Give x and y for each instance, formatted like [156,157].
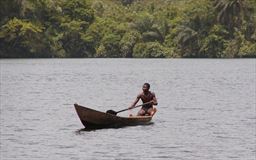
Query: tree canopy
[128,28]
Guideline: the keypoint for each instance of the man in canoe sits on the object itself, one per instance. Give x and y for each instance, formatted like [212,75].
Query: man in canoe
[146,96]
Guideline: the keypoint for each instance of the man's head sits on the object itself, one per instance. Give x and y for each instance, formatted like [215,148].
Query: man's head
[146,87]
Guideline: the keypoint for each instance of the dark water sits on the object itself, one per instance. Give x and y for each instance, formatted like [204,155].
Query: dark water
[206,109]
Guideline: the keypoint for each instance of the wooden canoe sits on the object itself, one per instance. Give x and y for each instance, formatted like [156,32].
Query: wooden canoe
[92,119]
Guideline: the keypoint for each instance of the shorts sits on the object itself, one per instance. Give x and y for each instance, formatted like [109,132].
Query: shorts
[146,108]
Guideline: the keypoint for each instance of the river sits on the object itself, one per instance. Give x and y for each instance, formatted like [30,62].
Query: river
[206,109]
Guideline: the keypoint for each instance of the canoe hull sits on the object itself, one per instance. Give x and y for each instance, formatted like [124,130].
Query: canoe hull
[92,119]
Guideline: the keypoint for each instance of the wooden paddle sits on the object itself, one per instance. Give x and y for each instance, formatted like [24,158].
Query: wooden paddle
[115,113]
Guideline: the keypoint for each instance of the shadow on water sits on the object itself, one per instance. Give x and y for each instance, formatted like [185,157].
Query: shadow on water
[79,131]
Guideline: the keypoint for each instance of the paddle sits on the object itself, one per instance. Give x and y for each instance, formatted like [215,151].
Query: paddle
[115,113]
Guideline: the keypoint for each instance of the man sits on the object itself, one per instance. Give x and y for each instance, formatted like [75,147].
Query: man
[145,96]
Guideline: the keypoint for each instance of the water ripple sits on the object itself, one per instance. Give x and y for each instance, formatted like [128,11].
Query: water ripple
[206,108]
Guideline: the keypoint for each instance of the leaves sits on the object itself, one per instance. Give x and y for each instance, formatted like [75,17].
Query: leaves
[150,50]
[22,35]
[128,28]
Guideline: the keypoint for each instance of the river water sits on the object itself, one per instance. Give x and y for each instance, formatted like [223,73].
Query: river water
[206,109]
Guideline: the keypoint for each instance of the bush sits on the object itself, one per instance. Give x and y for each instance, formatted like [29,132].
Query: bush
[150,50]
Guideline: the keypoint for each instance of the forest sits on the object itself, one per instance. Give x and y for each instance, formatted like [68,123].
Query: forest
[127,29]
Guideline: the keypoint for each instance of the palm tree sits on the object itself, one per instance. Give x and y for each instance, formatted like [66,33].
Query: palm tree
[230,12]
[10,9]
[187,40]
[152,29]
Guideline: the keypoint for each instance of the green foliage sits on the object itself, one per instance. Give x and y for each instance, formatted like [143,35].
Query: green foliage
[78,9]
[126,2]
[248,50]
[128,42]
[150,50]
[240,47]
[213,45]
[143,22]
[128,28]
[230,12]
[98,8]
[10,9]
[109,46]
[22,36]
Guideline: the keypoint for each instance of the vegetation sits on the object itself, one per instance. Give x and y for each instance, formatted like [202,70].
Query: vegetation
[128,28]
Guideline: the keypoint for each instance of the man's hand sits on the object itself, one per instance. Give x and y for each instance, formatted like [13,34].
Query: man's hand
[134,103]
[153,102]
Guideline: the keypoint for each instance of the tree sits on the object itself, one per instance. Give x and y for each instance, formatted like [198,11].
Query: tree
[127,2]
[127,28]
[78,9]
[10,9]
[143,22]
[109,47]
[213,45]
[230,12]
[187,42]
[76,20]
[20,38]
[128,42]
[150,50]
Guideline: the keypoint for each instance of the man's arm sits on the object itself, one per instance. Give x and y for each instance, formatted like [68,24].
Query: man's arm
[154,101]
[135,102]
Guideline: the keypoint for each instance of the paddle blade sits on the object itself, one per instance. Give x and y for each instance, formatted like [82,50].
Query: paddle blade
[111,112]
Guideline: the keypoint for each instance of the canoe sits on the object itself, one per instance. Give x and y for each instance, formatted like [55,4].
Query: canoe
[92,119]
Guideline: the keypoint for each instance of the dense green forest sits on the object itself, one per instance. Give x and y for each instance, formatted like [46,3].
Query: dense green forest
[128,28]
